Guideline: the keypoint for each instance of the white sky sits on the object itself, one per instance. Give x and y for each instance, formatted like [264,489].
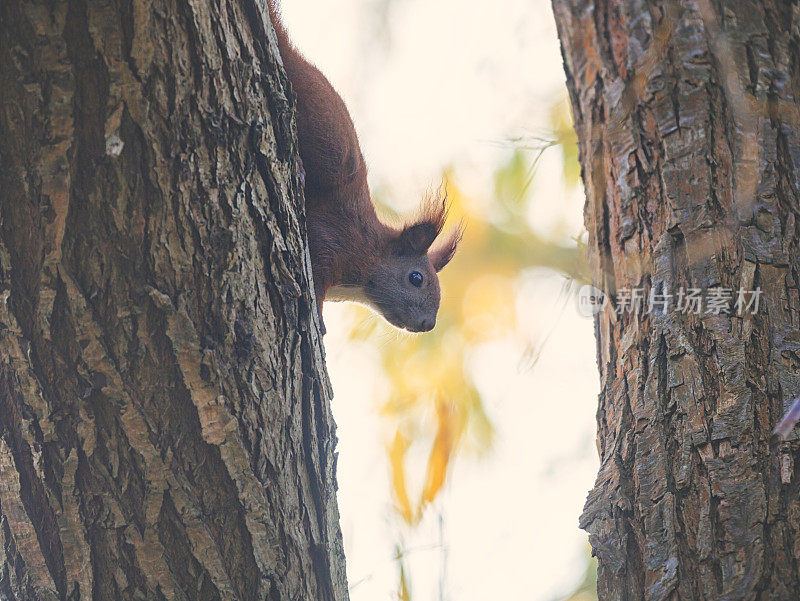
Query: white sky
[449,82]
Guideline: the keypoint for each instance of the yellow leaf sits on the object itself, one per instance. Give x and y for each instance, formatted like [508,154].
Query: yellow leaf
[448,432]
[397,455]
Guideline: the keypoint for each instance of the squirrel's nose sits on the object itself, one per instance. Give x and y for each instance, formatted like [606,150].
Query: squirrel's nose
[426,325]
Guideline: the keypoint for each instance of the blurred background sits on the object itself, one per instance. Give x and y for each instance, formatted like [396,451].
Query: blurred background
[465,454]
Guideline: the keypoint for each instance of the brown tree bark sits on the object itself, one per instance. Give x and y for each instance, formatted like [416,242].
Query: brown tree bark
[165,429]
[689,126]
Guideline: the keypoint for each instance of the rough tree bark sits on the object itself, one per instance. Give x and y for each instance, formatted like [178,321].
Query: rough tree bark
[165,430]
[689,126]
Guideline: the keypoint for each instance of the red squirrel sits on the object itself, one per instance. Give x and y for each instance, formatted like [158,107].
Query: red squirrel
[354,255]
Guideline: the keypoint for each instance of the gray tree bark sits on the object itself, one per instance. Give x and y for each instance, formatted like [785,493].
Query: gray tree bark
[689,126]
[165,428]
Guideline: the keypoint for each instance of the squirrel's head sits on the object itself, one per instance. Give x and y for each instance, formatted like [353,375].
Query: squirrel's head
[404,285]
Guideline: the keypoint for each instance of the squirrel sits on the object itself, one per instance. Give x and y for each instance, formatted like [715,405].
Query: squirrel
[354,255]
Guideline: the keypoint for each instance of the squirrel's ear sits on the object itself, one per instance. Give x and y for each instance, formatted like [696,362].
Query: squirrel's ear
[416,239]
[446,249]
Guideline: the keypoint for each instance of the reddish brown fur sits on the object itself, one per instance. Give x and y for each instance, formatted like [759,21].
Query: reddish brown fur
[347,240]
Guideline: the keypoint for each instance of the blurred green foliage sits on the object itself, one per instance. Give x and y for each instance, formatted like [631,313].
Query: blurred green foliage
[434,405]
[587,588]
[433,402]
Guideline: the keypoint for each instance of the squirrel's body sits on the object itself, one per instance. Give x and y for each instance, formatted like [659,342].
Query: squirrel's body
[354,255]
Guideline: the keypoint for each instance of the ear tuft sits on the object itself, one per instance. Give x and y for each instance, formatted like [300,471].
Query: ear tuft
[441,255]
[417,237]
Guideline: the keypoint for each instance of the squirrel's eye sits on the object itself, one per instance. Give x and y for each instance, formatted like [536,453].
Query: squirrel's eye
[415,277]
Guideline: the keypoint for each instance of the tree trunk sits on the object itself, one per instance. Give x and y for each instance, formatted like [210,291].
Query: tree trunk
[689,126]
[165,429]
